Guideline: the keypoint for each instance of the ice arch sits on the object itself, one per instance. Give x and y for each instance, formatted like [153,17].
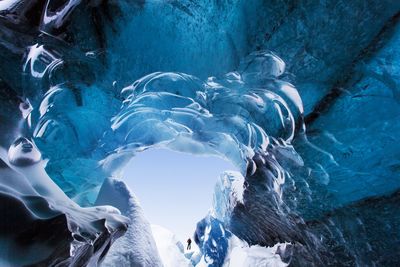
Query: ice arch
[249,117]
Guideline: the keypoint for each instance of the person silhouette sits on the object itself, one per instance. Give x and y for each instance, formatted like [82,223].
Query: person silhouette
[189,244]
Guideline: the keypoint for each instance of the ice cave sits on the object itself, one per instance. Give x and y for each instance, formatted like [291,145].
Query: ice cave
[302,97]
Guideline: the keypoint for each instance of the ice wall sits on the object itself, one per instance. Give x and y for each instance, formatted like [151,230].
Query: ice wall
[63,65]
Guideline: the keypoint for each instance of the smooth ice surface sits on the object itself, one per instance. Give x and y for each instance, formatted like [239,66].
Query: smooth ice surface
[186,181]
[40,224]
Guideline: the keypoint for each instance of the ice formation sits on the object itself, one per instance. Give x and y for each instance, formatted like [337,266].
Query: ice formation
[41,225]
[227,194]
[86,85]
[137,247]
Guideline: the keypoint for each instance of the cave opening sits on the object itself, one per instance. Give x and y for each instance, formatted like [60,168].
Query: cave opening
[175,189]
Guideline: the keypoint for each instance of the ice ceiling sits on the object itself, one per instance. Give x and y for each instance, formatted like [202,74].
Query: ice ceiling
[302,96]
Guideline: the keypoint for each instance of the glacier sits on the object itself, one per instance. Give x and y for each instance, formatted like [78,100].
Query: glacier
[301,96]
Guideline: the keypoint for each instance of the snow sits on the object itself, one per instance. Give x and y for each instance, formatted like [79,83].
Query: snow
[254,256]
[242,255]
[137,246]
[154,245]
[171,250]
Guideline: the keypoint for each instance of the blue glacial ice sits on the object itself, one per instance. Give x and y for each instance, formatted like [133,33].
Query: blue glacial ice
[301,96]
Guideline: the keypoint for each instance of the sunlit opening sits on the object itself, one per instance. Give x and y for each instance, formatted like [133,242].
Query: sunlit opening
[174,189]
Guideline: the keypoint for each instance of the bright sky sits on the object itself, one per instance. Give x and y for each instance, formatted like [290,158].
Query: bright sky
[175,189]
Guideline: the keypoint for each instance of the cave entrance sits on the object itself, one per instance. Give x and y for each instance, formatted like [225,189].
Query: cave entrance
[175,189]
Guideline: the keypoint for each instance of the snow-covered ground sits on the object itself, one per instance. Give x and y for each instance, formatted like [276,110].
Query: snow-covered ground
[242,255]
[170,249]
[173,253]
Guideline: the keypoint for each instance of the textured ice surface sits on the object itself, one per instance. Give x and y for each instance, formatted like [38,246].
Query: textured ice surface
[220,247]
[213,241]
[227,194]
[330,194]
[137,246]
